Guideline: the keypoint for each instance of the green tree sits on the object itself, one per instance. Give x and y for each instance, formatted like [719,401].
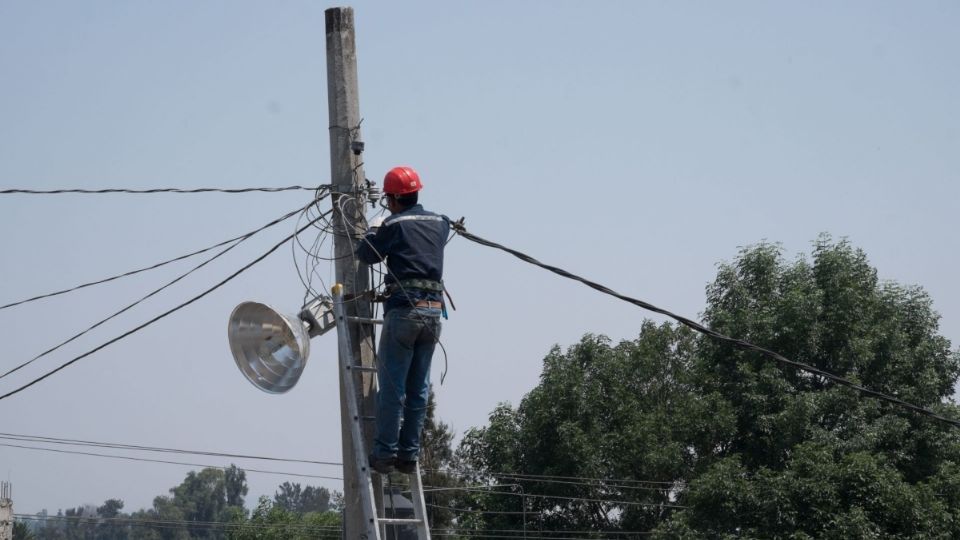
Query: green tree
[292,498]
[21,531]
[191,511]
[235,484]
[807,458]
[50,528]
[165,515]
[707,440]
[80,523]
[201,498]
[108,527]
[600,411]
[270,521]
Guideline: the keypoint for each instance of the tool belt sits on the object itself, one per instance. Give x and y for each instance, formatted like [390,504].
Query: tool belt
[422,284]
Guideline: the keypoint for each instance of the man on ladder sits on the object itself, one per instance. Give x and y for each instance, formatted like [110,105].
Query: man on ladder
[411,241]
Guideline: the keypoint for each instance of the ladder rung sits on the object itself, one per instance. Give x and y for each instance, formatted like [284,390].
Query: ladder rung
[369,418]
[399,521]
[364,320]
[369,369]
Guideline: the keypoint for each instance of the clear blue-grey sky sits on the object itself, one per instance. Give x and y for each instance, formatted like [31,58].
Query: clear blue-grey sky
[636,143]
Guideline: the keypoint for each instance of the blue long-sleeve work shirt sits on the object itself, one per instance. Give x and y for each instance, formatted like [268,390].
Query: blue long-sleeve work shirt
[412,244]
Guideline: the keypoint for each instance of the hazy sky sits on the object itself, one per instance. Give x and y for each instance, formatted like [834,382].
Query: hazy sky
[636,143]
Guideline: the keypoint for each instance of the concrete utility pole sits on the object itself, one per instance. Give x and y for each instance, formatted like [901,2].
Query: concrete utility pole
[6,511]
[346,170]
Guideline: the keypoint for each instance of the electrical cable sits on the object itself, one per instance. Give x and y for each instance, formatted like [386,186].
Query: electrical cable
[430,489]
[167,462]
[158,317]
[604,485]
[463,534]
[180,522]
[463,471]
[518,531]
[484,512]
[745,345]
[139,270]
[153,190]
[123,446]
[149,295]
[311,258]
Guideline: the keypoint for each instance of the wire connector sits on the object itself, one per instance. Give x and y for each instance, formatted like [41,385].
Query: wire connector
[374,193]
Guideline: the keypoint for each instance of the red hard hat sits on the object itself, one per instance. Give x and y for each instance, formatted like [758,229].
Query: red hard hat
[401,181]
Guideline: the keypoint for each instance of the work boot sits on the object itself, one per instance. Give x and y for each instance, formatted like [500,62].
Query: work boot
[406,466]
[382,465]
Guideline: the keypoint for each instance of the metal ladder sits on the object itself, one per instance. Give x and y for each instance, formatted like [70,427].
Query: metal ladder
[375,523]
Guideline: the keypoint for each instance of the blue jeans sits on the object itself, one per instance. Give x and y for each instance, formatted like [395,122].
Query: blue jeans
[403,371]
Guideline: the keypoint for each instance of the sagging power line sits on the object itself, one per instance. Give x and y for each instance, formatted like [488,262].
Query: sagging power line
[162,315]
[163,461]
[320,195]
[149,191]
[739,343]
[137,447]
[182,523]
[498,489]
[152,293]
[619,483]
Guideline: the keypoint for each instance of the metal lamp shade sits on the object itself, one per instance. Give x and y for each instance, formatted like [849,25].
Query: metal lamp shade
[270,348]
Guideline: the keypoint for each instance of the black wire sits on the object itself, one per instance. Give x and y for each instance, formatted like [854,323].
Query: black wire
[180,523]
[312,258]
[162,315]
[490,512]
[546,478]
[607,483]
[166,462]
[462,231]
[158,265]
[590,533]
[149,295]
[124,446]
[430,489]
[466,534]
[153,190]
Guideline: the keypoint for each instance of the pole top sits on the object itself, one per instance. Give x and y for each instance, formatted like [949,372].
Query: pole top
[339,19]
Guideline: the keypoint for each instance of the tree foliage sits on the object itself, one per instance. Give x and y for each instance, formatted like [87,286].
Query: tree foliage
[206,504]
[292,498]
[21,531]
[271,521]
[706,440]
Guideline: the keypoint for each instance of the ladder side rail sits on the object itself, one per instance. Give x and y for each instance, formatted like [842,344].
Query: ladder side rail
[419,505]
[359,457]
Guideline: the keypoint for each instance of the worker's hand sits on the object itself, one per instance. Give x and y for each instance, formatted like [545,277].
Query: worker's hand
[376,222]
